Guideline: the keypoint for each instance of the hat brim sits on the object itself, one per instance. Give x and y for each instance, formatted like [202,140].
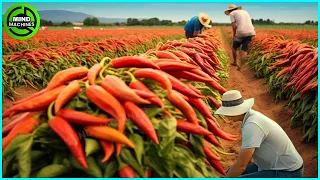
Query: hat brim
[236,110]
[202,22]
[227,12]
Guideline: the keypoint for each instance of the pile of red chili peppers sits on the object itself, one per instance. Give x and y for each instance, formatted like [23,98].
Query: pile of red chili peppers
[112,117]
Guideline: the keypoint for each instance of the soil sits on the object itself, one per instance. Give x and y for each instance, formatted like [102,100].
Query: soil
[252,87]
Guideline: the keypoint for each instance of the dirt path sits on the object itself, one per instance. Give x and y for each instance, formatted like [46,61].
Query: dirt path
[250,86]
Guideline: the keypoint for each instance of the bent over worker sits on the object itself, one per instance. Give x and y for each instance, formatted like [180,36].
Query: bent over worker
[243,32]
[263,140]
[194,26]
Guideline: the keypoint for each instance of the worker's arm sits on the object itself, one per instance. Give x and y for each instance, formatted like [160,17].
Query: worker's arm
[252,137]
[234,28]
[241,164]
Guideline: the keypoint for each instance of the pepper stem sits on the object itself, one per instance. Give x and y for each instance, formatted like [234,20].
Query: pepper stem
[102,70]
[50,115]
[103,60]
[133,79]
[87,84]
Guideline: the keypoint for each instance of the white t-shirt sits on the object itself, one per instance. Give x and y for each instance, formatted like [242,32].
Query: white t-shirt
[243,22]
[273,148]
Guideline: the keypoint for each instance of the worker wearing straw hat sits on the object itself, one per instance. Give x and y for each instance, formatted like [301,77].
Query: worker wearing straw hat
[194,26]
[243,32]
[264,140]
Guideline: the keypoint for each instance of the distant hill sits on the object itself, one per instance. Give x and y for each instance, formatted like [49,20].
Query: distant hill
[58,16]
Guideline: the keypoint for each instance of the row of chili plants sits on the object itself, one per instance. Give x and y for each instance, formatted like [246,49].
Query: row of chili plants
[52,38]
[309,36]
[291,70]
[36,67]
[148,115]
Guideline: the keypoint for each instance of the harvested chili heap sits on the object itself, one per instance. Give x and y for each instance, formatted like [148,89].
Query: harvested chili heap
[134,116]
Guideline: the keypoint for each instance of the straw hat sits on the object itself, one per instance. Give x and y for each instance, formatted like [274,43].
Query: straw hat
[204,19]
[231,7]
[233,104]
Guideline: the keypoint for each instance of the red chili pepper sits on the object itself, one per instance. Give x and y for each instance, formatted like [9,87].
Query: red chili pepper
[81,118]
[66,94]
[108,134]
[6,129]
[154,75]
[208,151]
[189,76]
[66,75]
[201,106]
[139,117]
[95,70]
[167,54]
[148,173]
[143,94]
[127,172]
[187,127]
[214,102]
[109,104]
[108,149]
[181,87]
[175,66]
[189,45]
[35,104]
[25,126]
[133,61]
[189,52]
[31,97]
[213,140]
[65,131]
[216,86]
[194,89]
[138,85]
[183,106]
[118,88]
[218,132]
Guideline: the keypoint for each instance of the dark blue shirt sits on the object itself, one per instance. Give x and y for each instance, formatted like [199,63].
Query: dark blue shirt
[193,25]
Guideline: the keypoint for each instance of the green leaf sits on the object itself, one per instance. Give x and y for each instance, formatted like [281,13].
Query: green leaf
[91,146]
[52,170]
[111,169]
[128,158]
[137,140]
[93,168]
[197,144]
[24,159]
[152,112]
[15,144]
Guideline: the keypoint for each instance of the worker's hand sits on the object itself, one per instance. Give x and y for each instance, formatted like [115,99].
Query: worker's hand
[253,37]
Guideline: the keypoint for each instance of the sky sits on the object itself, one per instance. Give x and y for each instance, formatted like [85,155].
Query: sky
[279,12]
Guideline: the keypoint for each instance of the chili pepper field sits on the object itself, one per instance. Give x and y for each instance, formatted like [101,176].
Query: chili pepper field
[141,102]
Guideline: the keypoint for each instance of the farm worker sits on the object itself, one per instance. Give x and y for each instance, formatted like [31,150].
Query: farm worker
[263,140]
[194,26]
[243,32]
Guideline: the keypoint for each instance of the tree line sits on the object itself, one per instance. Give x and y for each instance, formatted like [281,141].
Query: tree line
[157,22]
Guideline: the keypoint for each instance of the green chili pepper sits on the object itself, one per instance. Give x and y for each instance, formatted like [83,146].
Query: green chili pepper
[91,146]
[139,146]
[128,158]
